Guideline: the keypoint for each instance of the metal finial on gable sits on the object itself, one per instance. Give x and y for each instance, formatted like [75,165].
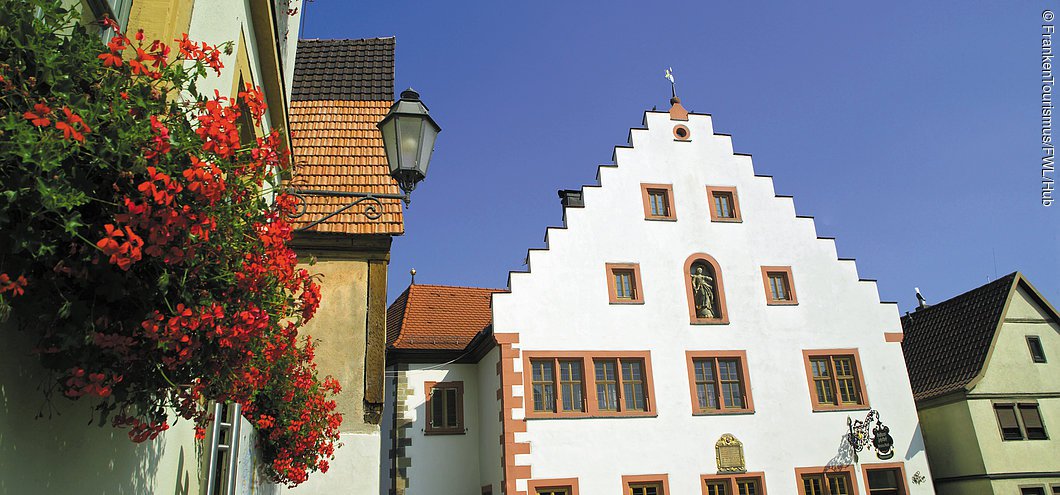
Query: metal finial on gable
[677,112]
[413,273]
[673,86]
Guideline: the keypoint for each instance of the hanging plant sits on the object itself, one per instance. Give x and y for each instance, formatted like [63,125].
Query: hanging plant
[144,245]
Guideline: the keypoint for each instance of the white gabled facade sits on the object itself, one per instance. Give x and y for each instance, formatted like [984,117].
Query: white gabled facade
[562,308]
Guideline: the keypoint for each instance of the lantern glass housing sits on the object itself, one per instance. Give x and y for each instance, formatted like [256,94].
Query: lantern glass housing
[409,133]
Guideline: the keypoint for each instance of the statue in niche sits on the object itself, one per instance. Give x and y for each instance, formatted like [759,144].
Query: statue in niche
[703,291]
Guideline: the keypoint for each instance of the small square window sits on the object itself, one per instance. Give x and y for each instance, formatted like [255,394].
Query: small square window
[1006,420]
[717,487]
[565,486]
[719,382]
[885,481]
[749,486]
[826,484]
[742,484]
[778,285]
[624,283]
[1032,422]
[646,489]
[724,204]
[658,201]
[445,408]
[1034,343]
[1020,421]
[835,380]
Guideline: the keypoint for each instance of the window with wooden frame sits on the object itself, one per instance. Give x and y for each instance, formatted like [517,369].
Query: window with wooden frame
[558,486]
[623,283]
[620,384]
[1020,421]
[724,204]
[588,384]
[885,478]
[1034,343]
[835,379]
[658,201]
[779,287]
[647,484]
[568,381]
[646,489]
[737,484]
[719,382]
[445,408]
[825,481]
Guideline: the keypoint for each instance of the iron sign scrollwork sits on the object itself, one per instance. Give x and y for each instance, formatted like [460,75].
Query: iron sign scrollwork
[880,441]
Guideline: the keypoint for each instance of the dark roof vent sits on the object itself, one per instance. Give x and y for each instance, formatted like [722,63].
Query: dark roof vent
[571,198]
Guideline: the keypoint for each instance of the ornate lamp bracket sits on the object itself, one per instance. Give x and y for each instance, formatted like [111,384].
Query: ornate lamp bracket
[373,207]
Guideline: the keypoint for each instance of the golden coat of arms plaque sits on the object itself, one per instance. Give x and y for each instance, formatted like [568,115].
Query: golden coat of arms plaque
[730,455]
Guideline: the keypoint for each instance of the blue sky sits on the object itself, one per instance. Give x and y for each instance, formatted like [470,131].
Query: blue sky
[909,130]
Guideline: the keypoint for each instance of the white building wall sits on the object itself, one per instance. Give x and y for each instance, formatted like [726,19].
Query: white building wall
[444,464]
[489,425]
[562,304]
[61,453]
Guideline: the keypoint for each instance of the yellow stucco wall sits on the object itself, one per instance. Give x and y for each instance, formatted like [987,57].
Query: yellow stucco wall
[340,325]
[1014,456]
[160,19]
[950,440]
[1010,369]
[963,438]
[63,454]
[1005,487]
[966,487]
[1010,376]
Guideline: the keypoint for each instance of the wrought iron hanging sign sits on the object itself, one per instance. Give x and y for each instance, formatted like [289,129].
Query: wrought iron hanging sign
[880,441]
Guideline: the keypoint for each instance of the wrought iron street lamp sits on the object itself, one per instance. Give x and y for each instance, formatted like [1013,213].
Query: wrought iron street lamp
[408,136]
[408,133]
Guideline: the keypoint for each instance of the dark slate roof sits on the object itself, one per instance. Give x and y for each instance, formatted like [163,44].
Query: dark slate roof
[361,70]
[946,345]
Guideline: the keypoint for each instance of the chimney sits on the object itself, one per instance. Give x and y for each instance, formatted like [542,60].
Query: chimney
[571,198]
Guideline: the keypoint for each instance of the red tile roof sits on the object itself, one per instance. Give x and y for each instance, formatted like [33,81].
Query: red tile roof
[337,147]
[438,317]
[342,89]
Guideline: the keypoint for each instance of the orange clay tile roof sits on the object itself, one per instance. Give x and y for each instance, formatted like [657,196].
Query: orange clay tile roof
[437,317]
[335,143]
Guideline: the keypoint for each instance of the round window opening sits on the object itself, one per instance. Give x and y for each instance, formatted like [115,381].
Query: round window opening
[681,132]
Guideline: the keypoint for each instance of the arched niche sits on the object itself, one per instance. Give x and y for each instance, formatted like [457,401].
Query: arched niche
[705,291]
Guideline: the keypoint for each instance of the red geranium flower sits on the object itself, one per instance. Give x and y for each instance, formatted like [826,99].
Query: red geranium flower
[38,119]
